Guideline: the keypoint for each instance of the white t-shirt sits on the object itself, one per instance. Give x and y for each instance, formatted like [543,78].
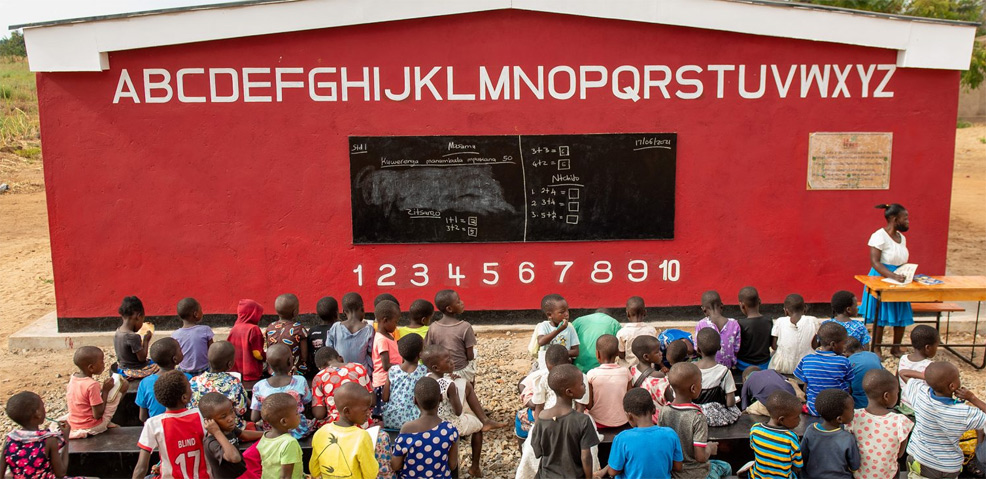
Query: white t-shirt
[544,395]
[568,338]
[718,375]
[628,333]
[892,252]
[793,342]
[907,364]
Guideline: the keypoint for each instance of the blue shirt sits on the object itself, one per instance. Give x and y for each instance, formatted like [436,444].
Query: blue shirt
[645,453]
[145,395]
[862,363]
[856,329]
[823,370]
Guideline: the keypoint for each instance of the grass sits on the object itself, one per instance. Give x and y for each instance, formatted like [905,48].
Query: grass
[18,105]
[983,140]
[962,124]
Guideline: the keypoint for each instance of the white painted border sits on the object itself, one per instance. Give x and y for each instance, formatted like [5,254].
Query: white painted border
[84,46]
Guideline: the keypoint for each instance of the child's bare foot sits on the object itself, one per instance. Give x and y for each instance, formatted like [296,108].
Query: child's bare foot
[112,425]
[475,471]
[896,352]
[490,425]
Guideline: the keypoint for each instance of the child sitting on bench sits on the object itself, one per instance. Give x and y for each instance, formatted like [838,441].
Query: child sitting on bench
[31,451]
[718,397]
[193,337]
[178,434]
[685,418]
[334,373]
[398,394]
[131,348]
[633,329]
[647,450]
[289,332]
[281,361]
[647,374]
[341,448]
[826,368]
[421,312]
[166,352]
[416,452]
[221,359]
[728,328]
[280,453]
[221,420]
[90,404]
[776,448]
[607,384]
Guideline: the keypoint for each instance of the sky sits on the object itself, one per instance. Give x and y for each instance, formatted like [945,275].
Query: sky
[13,12]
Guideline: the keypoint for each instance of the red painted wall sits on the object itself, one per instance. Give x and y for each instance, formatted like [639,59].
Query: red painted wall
[224,201]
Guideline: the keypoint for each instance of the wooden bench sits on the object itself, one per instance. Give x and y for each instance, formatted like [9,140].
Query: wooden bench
[937,309]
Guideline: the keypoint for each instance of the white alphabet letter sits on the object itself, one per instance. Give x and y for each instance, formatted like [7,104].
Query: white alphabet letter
[814,74]
[164,84]
[878,92]
[864,77]
[234,84]
[695,82]
[631,92]
[782,88]
[130,92]
[247,85]
[571,82]
[840,78]
[520,75]
[452,95]
[721,77]
[280,84]
[313,84]
[502,84]
[179,79]
[407,88]
[742,83]
[585,83]
[420,83]
[345,84]
[663,84]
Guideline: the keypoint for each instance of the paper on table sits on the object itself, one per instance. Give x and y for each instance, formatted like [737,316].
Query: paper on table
[907,270]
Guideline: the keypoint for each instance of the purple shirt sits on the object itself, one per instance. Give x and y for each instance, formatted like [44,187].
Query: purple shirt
[194,343]
[730,340]
[761,384]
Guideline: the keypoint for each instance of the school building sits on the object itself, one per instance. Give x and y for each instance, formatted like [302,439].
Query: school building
[503,148]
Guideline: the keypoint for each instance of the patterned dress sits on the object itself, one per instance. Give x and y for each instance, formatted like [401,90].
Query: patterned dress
[25,454]
[426,453]
[289,334]
[729,338]
[400,409]
[225,384]
[330,378]
[656,387]
[298,388]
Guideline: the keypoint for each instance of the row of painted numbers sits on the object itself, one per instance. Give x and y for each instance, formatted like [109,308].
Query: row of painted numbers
[636,271]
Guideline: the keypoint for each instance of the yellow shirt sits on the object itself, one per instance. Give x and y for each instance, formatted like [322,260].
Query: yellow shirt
[342,453]
[397,332]
[405,330]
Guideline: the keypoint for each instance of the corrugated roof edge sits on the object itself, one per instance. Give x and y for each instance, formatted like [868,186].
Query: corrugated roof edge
[772,3]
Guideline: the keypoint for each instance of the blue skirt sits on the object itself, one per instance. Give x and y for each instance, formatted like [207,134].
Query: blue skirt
[891,314]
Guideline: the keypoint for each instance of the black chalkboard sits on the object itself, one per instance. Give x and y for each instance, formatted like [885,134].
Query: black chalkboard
[466,189]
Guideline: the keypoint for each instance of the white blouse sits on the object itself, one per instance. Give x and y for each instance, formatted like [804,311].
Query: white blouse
[892,252]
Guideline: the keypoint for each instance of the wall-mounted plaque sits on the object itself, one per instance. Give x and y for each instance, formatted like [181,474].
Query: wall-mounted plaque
[849,161]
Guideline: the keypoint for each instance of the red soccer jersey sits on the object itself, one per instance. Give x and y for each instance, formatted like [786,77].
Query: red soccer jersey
[178,436]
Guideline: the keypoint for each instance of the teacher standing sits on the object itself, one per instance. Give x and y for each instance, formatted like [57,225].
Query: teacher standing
[888,251]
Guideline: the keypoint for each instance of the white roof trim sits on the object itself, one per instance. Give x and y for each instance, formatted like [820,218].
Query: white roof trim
[84,46]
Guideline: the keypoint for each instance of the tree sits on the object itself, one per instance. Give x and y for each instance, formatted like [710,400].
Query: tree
[13,46]
[964,10]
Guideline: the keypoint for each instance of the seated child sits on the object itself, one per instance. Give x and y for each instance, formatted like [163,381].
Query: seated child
[555,330]
[718,396]
[794,335]
[248,340]
[634,328]
[776,448]
[393,299]
[178,434]
[828,449]
[755,329]
[166,353]
[193,337]
[454,334]
[826,368]
[608,383]
[332,374]
[427,446]
[542,396]
[647,374]
[341,448]
[843,310]
[398,393]
[385,351]
[90,407]
[680,351]
[759,384]
[281,361]
[421,312]
[352,338]
[669,336]
[327,310]
[728,328]
[221,359]
[924,347]
[589,328]
[223,435]
[460,406]
[289,332]
[131,348]
[646,451]
[940,421]
[862,362]
[562,438]
[280,454]
[881,434]
[32,452]
[685,418]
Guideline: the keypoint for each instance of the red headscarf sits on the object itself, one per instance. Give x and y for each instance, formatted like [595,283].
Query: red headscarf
[247,337]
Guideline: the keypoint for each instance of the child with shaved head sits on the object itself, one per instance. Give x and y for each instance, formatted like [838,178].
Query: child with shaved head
[754,331]
[556,329]
[353,337]
[280,454]
[562,438]
[728,328]
[776,448]
[427,446]
[826,368]
[89,406]
[289,332]
[342,449]
[718,397]
[193,337]
[881,434]
[222,356]
[943,412]
[282,362]
[685,417]
[607,384]
[166,353]
[223,435]
[633,329]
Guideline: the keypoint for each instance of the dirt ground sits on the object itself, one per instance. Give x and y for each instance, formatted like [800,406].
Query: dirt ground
[26,293]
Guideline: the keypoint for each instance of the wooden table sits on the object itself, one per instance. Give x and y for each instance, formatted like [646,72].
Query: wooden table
[953,288]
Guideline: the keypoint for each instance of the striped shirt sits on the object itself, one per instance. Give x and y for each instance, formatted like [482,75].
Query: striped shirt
[776,452]
[856,329]
[938,425]
[822,370]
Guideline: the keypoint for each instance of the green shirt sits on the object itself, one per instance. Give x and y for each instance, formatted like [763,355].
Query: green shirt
[589,328]
[281,450]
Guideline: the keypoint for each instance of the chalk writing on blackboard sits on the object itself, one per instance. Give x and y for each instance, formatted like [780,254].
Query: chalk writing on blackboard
[450,189]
